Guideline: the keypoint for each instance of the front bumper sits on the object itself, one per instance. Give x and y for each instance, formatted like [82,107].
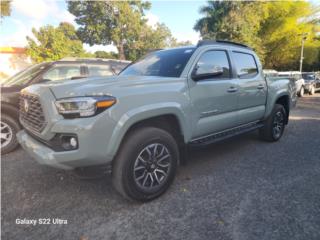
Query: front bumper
[44,155]
[93,138]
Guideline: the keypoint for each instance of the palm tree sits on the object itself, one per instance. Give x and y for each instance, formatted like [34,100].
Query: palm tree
[214,13]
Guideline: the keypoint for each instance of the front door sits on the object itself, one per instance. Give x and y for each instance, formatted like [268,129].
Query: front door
[214,99]
[252,88]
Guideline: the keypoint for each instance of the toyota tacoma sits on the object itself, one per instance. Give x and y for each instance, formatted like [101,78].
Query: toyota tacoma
[142,121]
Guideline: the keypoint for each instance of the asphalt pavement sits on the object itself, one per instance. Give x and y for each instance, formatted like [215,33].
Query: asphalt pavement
[239,189]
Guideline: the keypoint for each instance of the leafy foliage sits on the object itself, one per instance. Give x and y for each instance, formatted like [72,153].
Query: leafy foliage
[53,43]
[107,55]
[5,8]
[215,12]
[174,43]
[121,23]
[273,29]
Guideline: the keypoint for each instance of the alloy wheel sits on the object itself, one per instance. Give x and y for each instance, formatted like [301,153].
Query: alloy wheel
[6,134]
[152,167]
[278,124]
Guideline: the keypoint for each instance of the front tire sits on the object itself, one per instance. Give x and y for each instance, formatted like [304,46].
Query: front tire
[146,164]
[274,124]
[301,92]
[9,129]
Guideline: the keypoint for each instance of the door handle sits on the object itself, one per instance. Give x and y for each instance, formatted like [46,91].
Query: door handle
[232,89]
[260,86]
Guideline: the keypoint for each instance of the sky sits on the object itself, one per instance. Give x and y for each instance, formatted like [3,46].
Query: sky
[179,16]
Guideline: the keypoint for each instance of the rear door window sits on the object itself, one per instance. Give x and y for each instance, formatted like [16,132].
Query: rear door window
[98,70]
[62,72]
[245,64]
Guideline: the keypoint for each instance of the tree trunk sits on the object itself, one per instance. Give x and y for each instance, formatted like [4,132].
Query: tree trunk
[121,52]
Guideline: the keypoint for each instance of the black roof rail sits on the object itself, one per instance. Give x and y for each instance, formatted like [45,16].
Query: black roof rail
[210,42]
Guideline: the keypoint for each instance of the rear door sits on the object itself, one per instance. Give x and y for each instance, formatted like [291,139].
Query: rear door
[252,87]
[214,99]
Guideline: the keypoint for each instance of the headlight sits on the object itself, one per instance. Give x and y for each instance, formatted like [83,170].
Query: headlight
[84,106]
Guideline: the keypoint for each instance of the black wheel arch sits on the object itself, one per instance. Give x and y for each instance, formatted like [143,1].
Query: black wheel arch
[166,122]
[9,109]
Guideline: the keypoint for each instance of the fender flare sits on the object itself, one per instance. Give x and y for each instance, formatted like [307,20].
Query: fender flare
[145,112]
[272,102]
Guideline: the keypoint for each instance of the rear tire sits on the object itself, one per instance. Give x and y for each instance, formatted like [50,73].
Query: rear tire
[312,91]
[274,124]
[301,92]
[146,164]
[9,129]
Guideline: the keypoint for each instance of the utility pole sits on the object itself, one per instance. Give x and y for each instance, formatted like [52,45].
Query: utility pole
[304,38]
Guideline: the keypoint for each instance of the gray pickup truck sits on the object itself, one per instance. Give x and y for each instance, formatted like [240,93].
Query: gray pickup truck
[142,121]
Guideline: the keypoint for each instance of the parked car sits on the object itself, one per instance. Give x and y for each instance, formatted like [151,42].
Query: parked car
[142,121]
[297,76]
[45,72]
[270,73]
[312,82]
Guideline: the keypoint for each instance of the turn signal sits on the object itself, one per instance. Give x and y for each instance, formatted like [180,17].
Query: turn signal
[105,103]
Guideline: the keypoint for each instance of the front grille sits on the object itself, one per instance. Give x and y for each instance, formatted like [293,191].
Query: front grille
[31,113]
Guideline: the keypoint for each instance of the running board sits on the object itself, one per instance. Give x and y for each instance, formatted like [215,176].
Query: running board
[216,137]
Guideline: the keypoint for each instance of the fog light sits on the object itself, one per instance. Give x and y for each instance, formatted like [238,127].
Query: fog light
[69,142]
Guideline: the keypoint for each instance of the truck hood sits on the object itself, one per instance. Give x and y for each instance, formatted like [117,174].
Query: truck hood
[10,89]
[96,86]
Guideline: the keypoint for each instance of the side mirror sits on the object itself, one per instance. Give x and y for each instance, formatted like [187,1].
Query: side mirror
[203,71]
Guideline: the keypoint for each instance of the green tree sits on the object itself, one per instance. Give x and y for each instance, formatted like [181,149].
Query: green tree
[273,29]
[107,55]
[121,23]
[148,39]
[109,22]
[68,30]
[53,43]
[5,8]
[214,13]
[281,33]
[236,21]
[173,42]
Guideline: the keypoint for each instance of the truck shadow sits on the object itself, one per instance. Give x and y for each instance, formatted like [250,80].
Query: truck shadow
[240,151]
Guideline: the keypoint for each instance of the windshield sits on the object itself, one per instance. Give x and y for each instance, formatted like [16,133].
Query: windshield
[307,76]
[25,76]
[164,63]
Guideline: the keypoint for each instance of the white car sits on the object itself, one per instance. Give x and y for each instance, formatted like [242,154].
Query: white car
[297,76]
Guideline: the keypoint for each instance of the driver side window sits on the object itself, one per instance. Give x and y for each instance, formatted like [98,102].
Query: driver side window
[216,59]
